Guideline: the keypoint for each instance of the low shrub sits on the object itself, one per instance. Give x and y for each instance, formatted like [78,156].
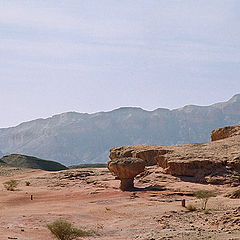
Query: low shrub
[63,230]
[11,185]
[204,196]
[27,183]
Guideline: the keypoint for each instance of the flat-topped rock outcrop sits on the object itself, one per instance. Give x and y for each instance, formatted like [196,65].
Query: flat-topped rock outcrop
[149,153]
[216,162]
[225,132]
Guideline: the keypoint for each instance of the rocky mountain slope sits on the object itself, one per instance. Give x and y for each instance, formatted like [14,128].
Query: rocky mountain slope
[17,160]
[73,138]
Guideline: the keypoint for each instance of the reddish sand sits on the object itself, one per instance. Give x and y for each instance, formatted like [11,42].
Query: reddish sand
[91,200]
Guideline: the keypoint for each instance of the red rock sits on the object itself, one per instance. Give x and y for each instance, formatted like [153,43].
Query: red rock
[204,162]
[126,169]
[225,132]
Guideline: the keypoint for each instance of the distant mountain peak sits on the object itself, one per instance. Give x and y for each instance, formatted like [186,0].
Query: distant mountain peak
[127,109]
[235,98]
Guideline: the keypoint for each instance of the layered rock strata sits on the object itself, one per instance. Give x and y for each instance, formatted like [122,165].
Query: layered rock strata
[216,162]
[225,132]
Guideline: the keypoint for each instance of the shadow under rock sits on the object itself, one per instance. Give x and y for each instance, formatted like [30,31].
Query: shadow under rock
[149,188]
[200,180]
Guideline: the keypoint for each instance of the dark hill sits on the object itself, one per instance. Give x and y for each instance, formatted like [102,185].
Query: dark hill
[74,138]
[17,160]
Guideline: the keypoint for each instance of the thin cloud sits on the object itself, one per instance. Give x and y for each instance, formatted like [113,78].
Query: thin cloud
[162,50]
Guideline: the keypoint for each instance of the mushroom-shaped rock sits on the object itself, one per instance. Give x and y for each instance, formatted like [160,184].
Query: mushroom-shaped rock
[126,169]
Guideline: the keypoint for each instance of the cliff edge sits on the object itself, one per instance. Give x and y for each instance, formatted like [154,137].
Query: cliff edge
[216,162]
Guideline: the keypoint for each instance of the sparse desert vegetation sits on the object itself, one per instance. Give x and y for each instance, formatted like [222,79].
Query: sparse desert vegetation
[11,185]
[191,207]
[91,198]
[27,183]
[204,196]
[152,209]
[64,230]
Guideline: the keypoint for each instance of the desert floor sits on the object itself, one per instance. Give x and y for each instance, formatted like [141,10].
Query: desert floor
[91,200]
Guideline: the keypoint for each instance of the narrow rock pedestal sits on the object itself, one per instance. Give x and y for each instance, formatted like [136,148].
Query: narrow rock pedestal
[126,169]
[126,184]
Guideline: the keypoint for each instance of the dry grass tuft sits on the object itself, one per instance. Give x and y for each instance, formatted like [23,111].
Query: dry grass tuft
[191,207]
[234,194]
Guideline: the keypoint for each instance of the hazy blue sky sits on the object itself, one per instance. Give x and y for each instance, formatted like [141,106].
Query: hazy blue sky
[97,55]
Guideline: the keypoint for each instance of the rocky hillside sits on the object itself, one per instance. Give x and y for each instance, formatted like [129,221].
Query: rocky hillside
[73,138]
[17,160]
[216,162]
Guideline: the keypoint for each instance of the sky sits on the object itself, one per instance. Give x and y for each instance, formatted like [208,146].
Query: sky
[97,55]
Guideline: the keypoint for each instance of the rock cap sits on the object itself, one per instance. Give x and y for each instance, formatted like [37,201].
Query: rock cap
[126,168]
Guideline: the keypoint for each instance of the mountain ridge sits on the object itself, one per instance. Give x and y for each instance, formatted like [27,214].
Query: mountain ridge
[73,138]
[23,161]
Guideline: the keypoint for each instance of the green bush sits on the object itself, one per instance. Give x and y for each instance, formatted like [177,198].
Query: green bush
[27,183]
[11,185]
[204,196]
[63,230]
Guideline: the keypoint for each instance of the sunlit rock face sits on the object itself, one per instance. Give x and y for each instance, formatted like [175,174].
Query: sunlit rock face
[126,169]
[215,162]
[225,132]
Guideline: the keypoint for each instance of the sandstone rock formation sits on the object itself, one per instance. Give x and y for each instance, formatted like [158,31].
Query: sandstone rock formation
[150,154]
[216,162]
[126,169]
[225,132]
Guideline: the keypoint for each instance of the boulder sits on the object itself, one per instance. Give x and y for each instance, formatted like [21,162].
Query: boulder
[149,153]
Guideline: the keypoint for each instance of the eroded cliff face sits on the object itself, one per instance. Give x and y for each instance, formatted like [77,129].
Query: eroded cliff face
[216,162]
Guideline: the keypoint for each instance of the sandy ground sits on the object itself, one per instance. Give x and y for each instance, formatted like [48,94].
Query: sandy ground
[91,200]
